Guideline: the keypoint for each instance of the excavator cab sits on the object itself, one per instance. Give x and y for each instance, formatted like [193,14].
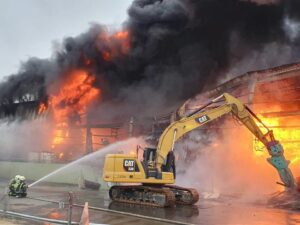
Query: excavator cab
[149,156]
[148,163]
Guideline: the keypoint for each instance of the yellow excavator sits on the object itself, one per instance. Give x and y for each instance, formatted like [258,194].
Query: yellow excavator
[154,175]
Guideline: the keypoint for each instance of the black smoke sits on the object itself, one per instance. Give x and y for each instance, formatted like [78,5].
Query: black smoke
[177,49]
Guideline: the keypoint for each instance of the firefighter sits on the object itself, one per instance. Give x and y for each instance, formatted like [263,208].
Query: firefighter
[17,187]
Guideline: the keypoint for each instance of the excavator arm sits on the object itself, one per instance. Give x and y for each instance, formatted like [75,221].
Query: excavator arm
[240,111]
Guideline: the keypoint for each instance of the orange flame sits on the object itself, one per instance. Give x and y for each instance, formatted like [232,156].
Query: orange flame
[70,103]
[42,108]
[75,95]
[121,35]
[287,132]
[106,56]
[72,99]
[113,45]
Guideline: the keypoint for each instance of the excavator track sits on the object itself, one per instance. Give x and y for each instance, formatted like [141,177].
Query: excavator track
[143,195]
[184,196]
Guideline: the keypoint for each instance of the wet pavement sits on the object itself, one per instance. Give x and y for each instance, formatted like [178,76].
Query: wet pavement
[43,201]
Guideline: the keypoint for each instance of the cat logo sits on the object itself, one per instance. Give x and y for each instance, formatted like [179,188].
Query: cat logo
[202,119]
[129,165]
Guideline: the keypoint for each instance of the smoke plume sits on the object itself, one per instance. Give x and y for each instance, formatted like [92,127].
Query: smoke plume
[168,51]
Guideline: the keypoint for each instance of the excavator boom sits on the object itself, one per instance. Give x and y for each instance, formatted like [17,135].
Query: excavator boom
[241,112]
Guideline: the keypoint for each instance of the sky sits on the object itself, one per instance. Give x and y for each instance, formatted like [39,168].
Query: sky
[29,28]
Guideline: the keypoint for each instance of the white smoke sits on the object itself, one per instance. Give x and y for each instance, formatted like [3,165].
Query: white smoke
[226,165]
[292,28]
[20,138]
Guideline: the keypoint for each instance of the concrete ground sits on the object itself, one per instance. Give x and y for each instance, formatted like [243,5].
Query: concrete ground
[42,201]
[13,221]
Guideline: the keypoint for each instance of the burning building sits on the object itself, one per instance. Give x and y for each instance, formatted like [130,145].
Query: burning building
[274,95]
[165,52]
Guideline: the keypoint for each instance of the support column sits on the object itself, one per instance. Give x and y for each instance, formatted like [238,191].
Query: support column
[88,141]
[131,127]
